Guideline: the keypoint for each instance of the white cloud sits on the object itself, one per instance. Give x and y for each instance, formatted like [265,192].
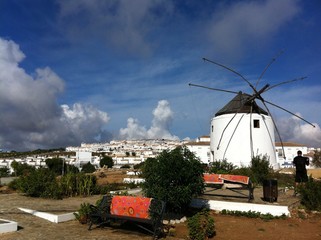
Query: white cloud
[161,122]
[30,115]
[292,129]
[248,23]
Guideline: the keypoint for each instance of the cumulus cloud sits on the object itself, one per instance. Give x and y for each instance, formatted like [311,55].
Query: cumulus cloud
[293,130]
[123,25]
[30,115]
[163,117]
[248,23]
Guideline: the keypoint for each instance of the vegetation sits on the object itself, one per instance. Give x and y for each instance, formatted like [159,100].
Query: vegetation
[88,168]
[252,214]
[311,194]
[38,183]
[59,167]
[316,161]
[221,167]
[43,182]
[21,168]
[201,226]
[4,172]
[82,214]
[260,168]
[175,177]
[106,161]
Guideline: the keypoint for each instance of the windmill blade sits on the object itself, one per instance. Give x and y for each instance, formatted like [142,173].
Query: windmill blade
[274,123]
[228,144]
[215,89]
[231,70]
[258,94]
[219,142]
[267,66]
[289,112]
[285,82]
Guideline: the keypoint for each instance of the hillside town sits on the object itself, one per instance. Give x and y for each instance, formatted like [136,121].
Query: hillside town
[132,152]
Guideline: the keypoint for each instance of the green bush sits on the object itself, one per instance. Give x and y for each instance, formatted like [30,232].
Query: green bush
[106,161]
[21,168]
[311,195]
[39,183]
[260,168]
[221,167]
[83,212]
[80,184]
[201,226]
[88,168]
[175,177]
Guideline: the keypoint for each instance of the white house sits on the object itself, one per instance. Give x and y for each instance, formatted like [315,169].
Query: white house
[285,157]
[242,130]
[201,149]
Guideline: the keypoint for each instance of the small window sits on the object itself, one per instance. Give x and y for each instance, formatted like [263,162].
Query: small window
[256,123]
[212,128]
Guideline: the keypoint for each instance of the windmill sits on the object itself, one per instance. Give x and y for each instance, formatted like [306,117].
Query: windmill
[242,129]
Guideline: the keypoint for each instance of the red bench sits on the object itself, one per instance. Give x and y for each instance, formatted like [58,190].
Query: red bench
[146,213]
[231,182]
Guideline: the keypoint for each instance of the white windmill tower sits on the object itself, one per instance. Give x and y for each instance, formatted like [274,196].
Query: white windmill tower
[242,130]
[238,125]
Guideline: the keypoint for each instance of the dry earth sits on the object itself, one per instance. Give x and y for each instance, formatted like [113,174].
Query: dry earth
[301,225]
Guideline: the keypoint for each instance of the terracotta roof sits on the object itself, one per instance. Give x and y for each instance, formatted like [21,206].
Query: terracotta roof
[240,104]
[289,144]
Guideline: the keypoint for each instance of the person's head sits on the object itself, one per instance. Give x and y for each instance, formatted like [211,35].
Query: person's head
[299,153]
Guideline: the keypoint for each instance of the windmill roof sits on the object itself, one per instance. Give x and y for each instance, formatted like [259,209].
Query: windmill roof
[240,104]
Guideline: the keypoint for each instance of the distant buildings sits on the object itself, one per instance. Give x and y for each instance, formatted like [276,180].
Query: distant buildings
[133,152]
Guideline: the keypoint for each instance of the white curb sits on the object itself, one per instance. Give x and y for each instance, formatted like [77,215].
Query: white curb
[49,216]
[8,226]
[244,207]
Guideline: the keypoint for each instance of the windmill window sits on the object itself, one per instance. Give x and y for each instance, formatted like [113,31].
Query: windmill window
[212,128]
[256,123]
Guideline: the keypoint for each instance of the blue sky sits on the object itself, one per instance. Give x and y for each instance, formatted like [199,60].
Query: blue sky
[85,71]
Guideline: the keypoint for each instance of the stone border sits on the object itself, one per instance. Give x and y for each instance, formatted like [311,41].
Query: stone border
[49,216]
[237,206]
[8,226]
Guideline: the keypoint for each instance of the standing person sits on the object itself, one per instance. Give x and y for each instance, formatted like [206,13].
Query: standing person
[301,175]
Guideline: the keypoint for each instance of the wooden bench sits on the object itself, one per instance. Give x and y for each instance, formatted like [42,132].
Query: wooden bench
[146,213]
[235,183]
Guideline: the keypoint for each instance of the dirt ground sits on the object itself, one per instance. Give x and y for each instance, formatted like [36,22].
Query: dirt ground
[301,225]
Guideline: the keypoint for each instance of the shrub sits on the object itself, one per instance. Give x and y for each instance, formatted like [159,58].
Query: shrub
[88,168]
[311,195]
[175,177]
[106,161]
[55,165]
[201,226]
[83,213]
[78,184]
[260,167]
[39,183]
[221,167]
[21,168]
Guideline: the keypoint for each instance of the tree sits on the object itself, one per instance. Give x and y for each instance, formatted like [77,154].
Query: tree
[175,177]
[316,161]
[55,165]
[106,161]
[4,172]
[260,168]
[21,168]
[88,168]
